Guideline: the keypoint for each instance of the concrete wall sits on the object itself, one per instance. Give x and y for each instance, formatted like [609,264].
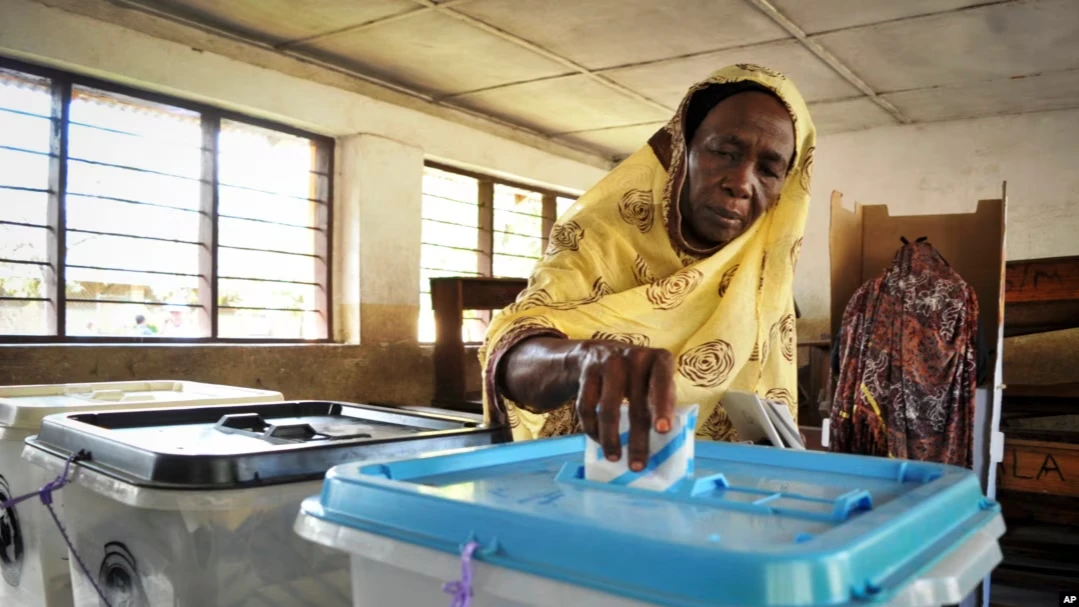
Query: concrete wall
[381,148]
[390,373]
[946,168]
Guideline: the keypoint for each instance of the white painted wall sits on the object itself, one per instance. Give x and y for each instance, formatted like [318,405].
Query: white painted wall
[947,167]
[380,191]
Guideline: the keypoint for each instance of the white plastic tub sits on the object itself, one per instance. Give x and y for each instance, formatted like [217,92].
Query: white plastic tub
[195,507]
[33,558]
[753,527]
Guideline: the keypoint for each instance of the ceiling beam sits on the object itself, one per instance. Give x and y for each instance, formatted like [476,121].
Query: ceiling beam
[833,62]
[447,9]
[656,123]
[725,49]
[359,27]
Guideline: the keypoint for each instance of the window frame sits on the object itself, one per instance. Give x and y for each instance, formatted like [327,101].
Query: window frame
[62,84]
[485,232]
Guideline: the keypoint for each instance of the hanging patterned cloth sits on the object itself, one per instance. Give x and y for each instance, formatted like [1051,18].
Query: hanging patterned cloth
[907,363]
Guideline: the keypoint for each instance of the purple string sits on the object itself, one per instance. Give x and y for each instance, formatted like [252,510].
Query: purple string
[462,589]
[45,493]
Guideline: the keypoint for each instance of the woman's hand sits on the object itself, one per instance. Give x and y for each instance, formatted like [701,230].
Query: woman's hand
[545,372]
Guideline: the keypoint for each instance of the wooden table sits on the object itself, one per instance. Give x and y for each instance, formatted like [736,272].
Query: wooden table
[450,297]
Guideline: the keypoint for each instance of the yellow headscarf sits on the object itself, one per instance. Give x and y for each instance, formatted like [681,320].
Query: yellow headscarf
[618,268]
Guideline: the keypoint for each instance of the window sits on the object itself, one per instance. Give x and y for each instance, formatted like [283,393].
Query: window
[563,205]
[475,225]
[125,215]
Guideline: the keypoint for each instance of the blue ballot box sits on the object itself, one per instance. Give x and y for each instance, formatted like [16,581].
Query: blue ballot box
[750,526]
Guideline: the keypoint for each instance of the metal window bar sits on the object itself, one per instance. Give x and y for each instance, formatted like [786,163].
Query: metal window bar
[274,281]
[61,90]
[272,193]
[8,110]
[521,213]
[12,148]
[452,248]
[275,251]
[132,236]
[28,262]
[451,223]
[273,223]
[132,302]
[533,236]
[107,129]
[131,168]
[264,309]
[133,271]
[4,222]
[17,188]
[502,254]
[448,199]
[127,201]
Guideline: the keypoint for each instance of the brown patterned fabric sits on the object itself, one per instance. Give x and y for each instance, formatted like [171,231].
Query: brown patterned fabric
[907,372]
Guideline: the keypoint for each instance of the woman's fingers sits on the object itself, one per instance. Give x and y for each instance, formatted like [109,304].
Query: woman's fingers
[661,392]
[610,404]
[614,374]
[588,399]
[640,416]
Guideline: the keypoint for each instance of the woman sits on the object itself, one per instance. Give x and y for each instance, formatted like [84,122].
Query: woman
[670,281]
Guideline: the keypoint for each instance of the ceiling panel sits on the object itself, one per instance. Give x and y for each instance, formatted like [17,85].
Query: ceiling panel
[826,15]
[560,105]
[1033,93]
[282,20]
[607,33]
[668,81]
[999,41]
[848,115]
[437,53]
[616,142]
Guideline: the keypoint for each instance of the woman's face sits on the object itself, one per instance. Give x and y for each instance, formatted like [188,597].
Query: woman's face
[738,161]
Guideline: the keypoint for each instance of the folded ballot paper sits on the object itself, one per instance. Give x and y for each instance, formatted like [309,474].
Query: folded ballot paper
[670,459]
[755,419]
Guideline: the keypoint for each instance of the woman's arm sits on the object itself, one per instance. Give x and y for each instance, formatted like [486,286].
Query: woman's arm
[540,372]
[546,372]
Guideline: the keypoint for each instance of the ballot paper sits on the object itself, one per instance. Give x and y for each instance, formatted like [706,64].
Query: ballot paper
[755,419]
[670,455]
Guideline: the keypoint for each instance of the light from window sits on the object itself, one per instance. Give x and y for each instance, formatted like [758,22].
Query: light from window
[563,204]
[26,266]
[518,231]
[450,243]
[134,189]
[144,181]
[477,226]
[273,220]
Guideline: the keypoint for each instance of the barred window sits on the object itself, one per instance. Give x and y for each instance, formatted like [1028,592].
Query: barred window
[450,242]
[127,215]
[477,225]
[564,204]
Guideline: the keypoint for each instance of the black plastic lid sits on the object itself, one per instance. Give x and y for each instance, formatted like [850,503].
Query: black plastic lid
[234,446]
